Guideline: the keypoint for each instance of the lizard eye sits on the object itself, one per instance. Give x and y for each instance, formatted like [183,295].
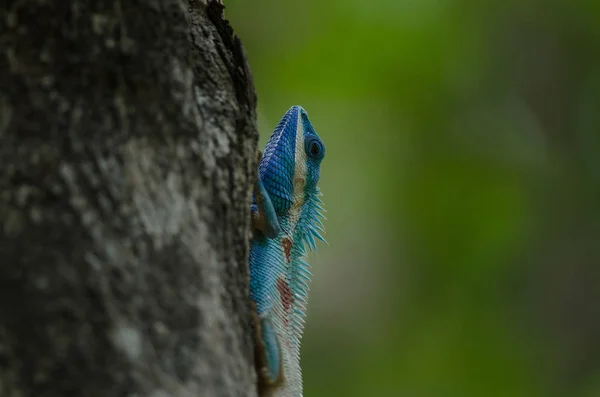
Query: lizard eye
[315,148]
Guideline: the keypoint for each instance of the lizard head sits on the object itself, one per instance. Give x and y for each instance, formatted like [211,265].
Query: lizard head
[291,163]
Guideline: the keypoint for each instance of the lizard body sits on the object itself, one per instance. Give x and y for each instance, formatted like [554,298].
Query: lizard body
[286,212]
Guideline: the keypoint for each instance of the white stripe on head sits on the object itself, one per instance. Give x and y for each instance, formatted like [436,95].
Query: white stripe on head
[299,180]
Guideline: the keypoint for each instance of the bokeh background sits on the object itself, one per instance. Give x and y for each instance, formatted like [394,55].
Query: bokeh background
[462,182]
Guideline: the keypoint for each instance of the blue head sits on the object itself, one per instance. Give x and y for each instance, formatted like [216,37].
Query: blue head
[291,162]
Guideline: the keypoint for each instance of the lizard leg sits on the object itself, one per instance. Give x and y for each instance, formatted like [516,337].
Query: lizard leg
[268,350]
[264,217]
[268,357]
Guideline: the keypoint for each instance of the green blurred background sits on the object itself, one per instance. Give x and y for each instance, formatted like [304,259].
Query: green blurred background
[462,182]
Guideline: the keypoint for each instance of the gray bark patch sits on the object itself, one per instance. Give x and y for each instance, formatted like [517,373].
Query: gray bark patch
[127,156]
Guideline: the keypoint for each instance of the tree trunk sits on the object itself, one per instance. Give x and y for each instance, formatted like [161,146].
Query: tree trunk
[127,156]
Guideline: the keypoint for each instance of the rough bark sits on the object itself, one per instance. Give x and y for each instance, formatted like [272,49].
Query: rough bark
[127,151]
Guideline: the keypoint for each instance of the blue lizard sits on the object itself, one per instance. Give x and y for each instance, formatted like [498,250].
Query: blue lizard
[286,212]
